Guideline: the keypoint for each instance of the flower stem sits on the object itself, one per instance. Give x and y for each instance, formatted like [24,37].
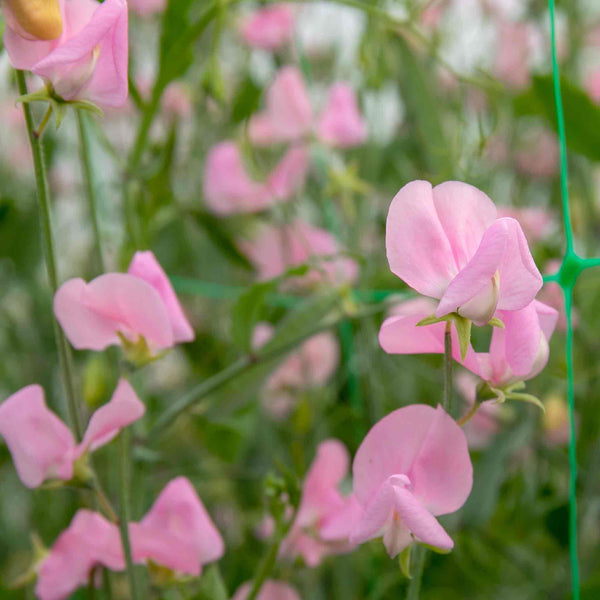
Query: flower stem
[42,126]
[418,564]
[125,488]
[86,167]
[43,198]
[266,568]
[448,370]
[469,415]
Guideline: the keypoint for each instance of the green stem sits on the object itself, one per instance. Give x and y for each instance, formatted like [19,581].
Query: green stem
[242,365]
[448,370]
[43,198]
[86,167]
[42,126]
[124,518]
[418,565]
[266,568]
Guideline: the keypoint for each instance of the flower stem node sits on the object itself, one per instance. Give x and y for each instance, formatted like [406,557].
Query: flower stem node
[163,577]
[511,392]
[138,352]
[462,325]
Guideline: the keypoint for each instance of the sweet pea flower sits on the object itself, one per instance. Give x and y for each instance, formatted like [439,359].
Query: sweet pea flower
[553,295]
[288,116]
[311,365]
[43,447]
[140,303]
[271,590]
[177,532]
[89,541]
[228,189]
[538,153]
[446,243]
[514,53]
[518,352]
[325,518]
[147,8]
[412,466]
[89,58]
[341,123]
[275,249]
[270,27]
[33,20]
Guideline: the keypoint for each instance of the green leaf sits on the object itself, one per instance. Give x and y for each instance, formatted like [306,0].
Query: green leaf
[247,312]
[246,100]
[582,116]
[529,398]
[212,586]
[404,561]
[223,441]
[463,329]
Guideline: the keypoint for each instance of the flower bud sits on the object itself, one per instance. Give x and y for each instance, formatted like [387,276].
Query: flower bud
[34,19]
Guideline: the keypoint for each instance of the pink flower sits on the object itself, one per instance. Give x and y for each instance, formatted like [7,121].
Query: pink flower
[270,27]
[228,189]
[311,365]
[147,8]
[412,466]
[517,353]
[177,532]
[325,518]
[140,303]
[43,447]
[90,540]
[446,243]
[553,295]
[176,101]
[271,590]
[538,154]
[33,20]
[592,85]
[537,223]
[341,123]
[88,60]
[513,54]
[288,116]
[276,249]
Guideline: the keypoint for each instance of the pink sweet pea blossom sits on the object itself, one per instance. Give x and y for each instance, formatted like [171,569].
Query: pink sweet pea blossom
[138,303]
[513,54]
[517,353]
[275,249]
[412,466]
[43,447]
[538,153]
[270,27]
[147,8]
[553,295]
[177,532]
[228,189]
[88,60]
[325,518]
[312,364]
[341,123]
[89,541]
[446,243]
[271,590]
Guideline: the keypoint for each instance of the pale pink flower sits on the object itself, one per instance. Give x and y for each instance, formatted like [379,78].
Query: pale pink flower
[518,352]
[446,242]
[553,295]
[176,101]
[341,123]
[538,153]
[271,590]
[229,189]
[88,60]
[412,466]
[89,541]
[513,54]
[592,85]
[43,447]
[275,249]
[288,115]
[177,532]
[270,27]
[325,518]
[311,365]
[147,8]
[139,303]
[537,223]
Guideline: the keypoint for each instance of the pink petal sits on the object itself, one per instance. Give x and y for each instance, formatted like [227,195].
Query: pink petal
[417,247]
[89,540]
[400,335]
[269,27]
[123,409]
[341,123]
[147,8]
[339,524]
[41,445]
[522,338]
[289,175]
[375,515]
[420,522]
[548,317]
[92,314]
[145,266]
[520,279]
[177,532]
[271,590]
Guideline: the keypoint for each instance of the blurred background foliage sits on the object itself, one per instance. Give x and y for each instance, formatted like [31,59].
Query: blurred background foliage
[438,107]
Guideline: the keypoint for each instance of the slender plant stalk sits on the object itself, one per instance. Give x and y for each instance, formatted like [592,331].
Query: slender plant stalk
[448,370]
[419,554]
[124,517]
[266,568]
[43,197]
[86,168]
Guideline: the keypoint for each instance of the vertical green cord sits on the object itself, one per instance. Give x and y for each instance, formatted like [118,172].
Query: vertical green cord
[45,215]
[566,284]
